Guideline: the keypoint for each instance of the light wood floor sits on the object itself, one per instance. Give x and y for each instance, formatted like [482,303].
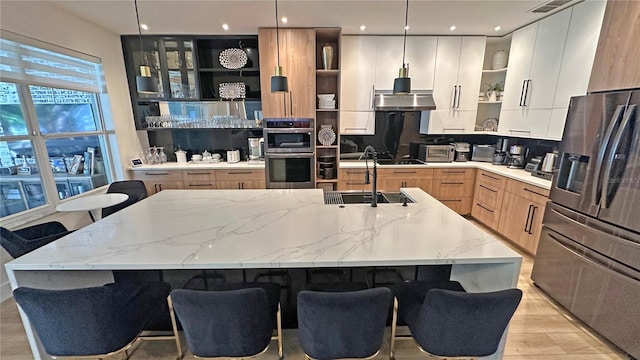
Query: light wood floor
[539,330]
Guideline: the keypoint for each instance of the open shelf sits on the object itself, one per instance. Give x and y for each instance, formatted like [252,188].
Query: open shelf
[326,110]
[489,102]
[497,71]
[323,72]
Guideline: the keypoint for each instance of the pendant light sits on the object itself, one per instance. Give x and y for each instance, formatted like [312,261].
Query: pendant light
[145,83]
[279,82]
[402,84]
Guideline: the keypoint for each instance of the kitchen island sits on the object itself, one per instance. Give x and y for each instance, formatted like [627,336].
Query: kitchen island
[229,229]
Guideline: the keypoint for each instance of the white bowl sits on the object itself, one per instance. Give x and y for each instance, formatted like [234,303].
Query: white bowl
[326,97]
[196,157]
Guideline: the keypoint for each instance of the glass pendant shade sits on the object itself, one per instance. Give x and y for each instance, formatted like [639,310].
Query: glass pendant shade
[402,84]
[145,83]
[279,83]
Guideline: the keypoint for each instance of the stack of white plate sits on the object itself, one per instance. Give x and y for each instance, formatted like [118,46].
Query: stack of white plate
[326,101]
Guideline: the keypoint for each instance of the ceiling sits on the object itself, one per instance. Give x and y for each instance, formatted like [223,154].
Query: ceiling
[471,17]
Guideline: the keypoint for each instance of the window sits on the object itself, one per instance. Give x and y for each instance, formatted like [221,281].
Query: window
[53,140]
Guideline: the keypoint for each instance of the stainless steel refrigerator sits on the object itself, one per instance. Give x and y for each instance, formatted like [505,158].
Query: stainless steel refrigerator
[588,257]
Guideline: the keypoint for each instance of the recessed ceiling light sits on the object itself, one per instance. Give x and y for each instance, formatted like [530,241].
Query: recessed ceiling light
[497,28]
[284,19]
[225,27]
[406,27]
[452,28]
[144,27]
[362,28]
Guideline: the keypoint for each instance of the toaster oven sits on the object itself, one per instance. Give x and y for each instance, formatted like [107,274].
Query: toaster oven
[436,153]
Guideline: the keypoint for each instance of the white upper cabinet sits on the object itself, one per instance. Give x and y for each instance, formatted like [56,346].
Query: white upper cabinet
[520,56]
[420,56]
[358,72]
[457,83]
[357,122]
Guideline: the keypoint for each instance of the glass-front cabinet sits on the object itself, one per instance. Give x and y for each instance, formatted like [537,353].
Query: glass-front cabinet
[172,64]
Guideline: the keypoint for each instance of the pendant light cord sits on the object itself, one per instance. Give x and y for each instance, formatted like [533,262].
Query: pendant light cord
[277,34]
[144,56]
[406,25]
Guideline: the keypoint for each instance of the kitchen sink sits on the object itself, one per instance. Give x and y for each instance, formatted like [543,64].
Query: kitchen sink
[360,197]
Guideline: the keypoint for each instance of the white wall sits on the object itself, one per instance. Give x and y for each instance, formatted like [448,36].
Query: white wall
[45,22]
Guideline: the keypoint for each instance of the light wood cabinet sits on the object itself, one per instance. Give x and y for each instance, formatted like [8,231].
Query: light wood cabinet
[454,188]
[240,179]
[487,198]
[199,179]
[158,180]
[521,214]
[352,179]
[298,59]
[457,83]
[616,63]
[394,179]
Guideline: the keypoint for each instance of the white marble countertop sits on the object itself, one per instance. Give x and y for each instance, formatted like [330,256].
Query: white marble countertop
[195,229]
[516,174]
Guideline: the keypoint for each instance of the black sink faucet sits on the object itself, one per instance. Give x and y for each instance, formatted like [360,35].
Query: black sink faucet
[374,193]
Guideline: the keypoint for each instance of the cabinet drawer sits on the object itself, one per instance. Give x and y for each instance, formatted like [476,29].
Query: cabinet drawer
[239,175]
[461,205]
[198,175]
[158,175]
[487,215]
[405,174]
[529,192]
[352,175]
[488,195]
[448,189]
[452,174]
[200,185]
[491,179]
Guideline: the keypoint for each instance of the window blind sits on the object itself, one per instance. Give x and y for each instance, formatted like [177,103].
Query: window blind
[29,64]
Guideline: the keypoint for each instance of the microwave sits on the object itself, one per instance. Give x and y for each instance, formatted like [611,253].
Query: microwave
[436,153]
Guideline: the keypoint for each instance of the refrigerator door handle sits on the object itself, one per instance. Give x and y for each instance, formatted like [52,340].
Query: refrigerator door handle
[605,202]
[597,186]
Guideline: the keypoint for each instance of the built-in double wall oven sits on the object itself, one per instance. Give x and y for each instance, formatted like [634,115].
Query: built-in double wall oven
[289,153]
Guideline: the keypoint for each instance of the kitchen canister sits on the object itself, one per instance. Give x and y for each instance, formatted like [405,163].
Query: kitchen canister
[327,56]
[499,60]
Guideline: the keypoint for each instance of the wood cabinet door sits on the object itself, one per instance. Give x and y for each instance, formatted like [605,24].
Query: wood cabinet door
[253,184]
[297,57]
[616,64]
[515,213]
[358,72]
[165,185]
[532,236]
[228,185]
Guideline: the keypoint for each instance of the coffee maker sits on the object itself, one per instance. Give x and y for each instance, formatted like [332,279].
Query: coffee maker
[256,149]
[500,156]
[517,154]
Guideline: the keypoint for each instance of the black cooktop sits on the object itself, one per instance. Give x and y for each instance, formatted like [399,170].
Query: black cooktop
[400,162]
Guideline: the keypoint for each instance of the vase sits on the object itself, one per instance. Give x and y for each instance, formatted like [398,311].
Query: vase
[499,60]
[327,56]
[492,95]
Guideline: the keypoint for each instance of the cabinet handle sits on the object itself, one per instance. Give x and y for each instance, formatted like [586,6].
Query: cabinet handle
[372,97]
[156,174]
[534,192]
[484,208]
[403,172]
[160,187]
[355,128]
[356,183]
[451,183]
[445,129]
[199,185]
[526,92]
[489,189]
[490,177]
[455,94]
[522,93]
[355,172]
[198,173]
[453,171]
[242,185]
[526,223]
[451,200]
[520,131]
[458,97]
[239,172]
[533,214]
[155,187]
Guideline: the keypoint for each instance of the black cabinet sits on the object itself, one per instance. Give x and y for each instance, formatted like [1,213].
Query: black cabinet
[191,68]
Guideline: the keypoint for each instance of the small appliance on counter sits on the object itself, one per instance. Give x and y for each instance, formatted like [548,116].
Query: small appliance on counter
[463,151]
[546,169]
[256,149]
[483,153]
[535,164]
[233,156]
[500,156]
[436,153]
[516,157]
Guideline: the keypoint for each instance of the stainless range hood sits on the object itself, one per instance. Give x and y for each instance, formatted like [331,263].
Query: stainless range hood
[419,100]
